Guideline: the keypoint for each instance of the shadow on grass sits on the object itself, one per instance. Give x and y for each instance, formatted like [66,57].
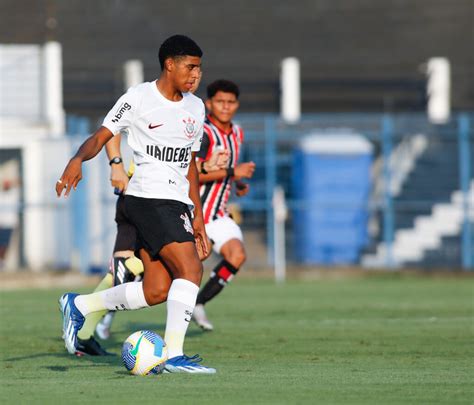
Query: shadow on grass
[80,361]
[113,343]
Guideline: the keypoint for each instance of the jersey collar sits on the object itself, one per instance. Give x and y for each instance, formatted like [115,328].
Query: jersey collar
[218,128]
[164,100]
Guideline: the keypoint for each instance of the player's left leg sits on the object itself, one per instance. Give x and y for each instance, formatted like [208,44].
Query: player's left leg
[183,262]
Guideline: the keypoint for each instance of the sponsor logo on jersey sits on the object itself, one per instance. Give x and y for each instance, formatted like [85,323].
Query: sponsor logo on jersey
[190,127]
[169,154]
[187,223]
[120,111]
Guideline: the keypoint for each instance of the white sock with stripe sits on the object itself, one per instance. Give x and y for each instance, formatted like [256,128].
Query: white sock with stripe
[180,305]
[118,298]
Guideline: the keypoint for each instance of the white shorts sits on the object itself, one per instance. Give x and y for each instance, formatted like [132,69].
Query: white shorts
[222,230]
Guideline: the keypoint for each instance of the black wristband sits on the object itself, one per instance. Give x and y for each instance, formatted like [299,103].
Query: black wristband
[230,172]
[115,160]
[203,171]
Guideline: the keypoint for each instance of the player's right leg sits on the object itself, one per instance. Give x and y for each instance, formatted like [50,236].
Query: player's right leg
[127,296]
[74,308]
[124,267]
[228,242]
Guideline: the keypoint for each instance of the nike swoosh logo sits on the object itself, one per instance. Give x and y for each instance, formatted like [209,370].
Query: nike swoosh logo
[135,349]
[154,126]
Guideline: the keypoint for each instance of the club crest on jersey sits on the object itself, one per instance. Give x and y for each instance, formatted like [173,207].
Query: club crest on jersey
[187,223]
[190,127]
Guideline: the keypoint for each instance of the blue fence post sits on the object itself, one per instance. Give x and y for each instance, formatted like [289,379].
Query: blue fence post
[388,223]
[464,172]
[270,181]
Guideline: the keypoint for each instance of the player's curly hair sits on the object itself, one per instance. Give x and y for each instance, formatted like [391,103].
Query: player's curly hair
[176,46]
[222,85]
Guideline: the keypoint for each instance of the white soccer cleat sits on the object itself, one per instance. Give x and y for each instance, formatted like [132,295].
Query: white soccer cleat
[199,316]
[103,327]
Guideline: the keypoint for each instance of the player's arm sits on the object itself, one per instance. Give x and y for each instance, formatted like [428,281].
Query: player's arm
[118,176]
[242,170]
[212,159]
[202,241]
[73,172]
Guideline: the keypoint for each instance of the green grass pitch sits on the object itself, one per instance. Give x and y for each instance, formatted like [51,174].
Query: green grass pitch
[378,339]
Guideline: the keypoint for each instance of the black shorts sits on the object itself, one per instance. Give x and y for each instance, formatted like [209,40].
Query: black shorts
[159,222]
[126,238]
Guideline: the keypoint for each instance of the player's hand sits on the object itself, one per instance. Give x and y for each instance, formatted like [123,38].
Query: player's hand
[203,256]
[218,160]
[241,189]
[203,244]
[223,157]
[71,176]
[119,178]
[244,170]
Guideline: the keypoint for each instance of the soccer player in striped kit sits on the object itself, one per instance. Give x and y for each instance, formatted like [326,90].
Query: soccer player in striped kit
[221,133]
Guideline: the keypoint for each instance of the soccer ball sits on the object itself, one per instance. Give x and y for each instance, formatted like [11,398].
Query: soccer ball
[144,352]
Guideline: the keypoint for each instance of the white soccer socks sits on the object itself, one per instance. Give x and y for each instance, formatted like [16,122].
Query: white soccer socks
[119,298]
[181,301]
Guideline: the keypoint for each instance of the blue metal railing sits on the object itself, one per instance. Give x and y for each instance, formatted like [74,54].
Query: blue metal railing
[465,178]
[270,143]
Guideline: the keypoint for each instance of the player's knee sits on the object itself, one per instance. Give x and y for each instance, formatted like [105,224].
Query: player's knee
[237,257]
[192,272]
[195,268]
[155,295]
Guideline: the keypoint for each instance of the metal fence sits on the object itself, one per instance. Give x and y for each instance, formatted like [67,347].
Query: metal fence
[422,193]
[396,139]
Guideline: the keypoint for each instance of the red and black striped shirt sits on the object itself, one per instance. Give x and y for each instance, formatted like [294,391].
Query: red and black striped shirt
[215,194]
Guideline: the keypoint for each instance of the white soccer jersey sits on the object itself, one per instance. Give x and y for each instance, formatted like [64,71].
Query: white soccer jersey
[162,135]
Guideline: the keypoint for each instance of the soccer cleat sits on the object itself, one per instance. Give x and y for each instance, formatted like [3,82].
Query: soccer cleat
[91,347]
[186,364]
[103,327]
[199,316]
[72,321]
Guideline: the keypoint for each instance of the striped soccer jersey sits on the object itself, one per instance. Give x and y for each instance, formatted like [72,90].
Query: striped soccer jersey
[215,194]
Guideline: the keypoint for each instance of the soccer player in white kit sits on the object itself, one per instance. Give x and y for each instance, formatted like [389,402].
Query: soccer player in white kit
[164,123]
